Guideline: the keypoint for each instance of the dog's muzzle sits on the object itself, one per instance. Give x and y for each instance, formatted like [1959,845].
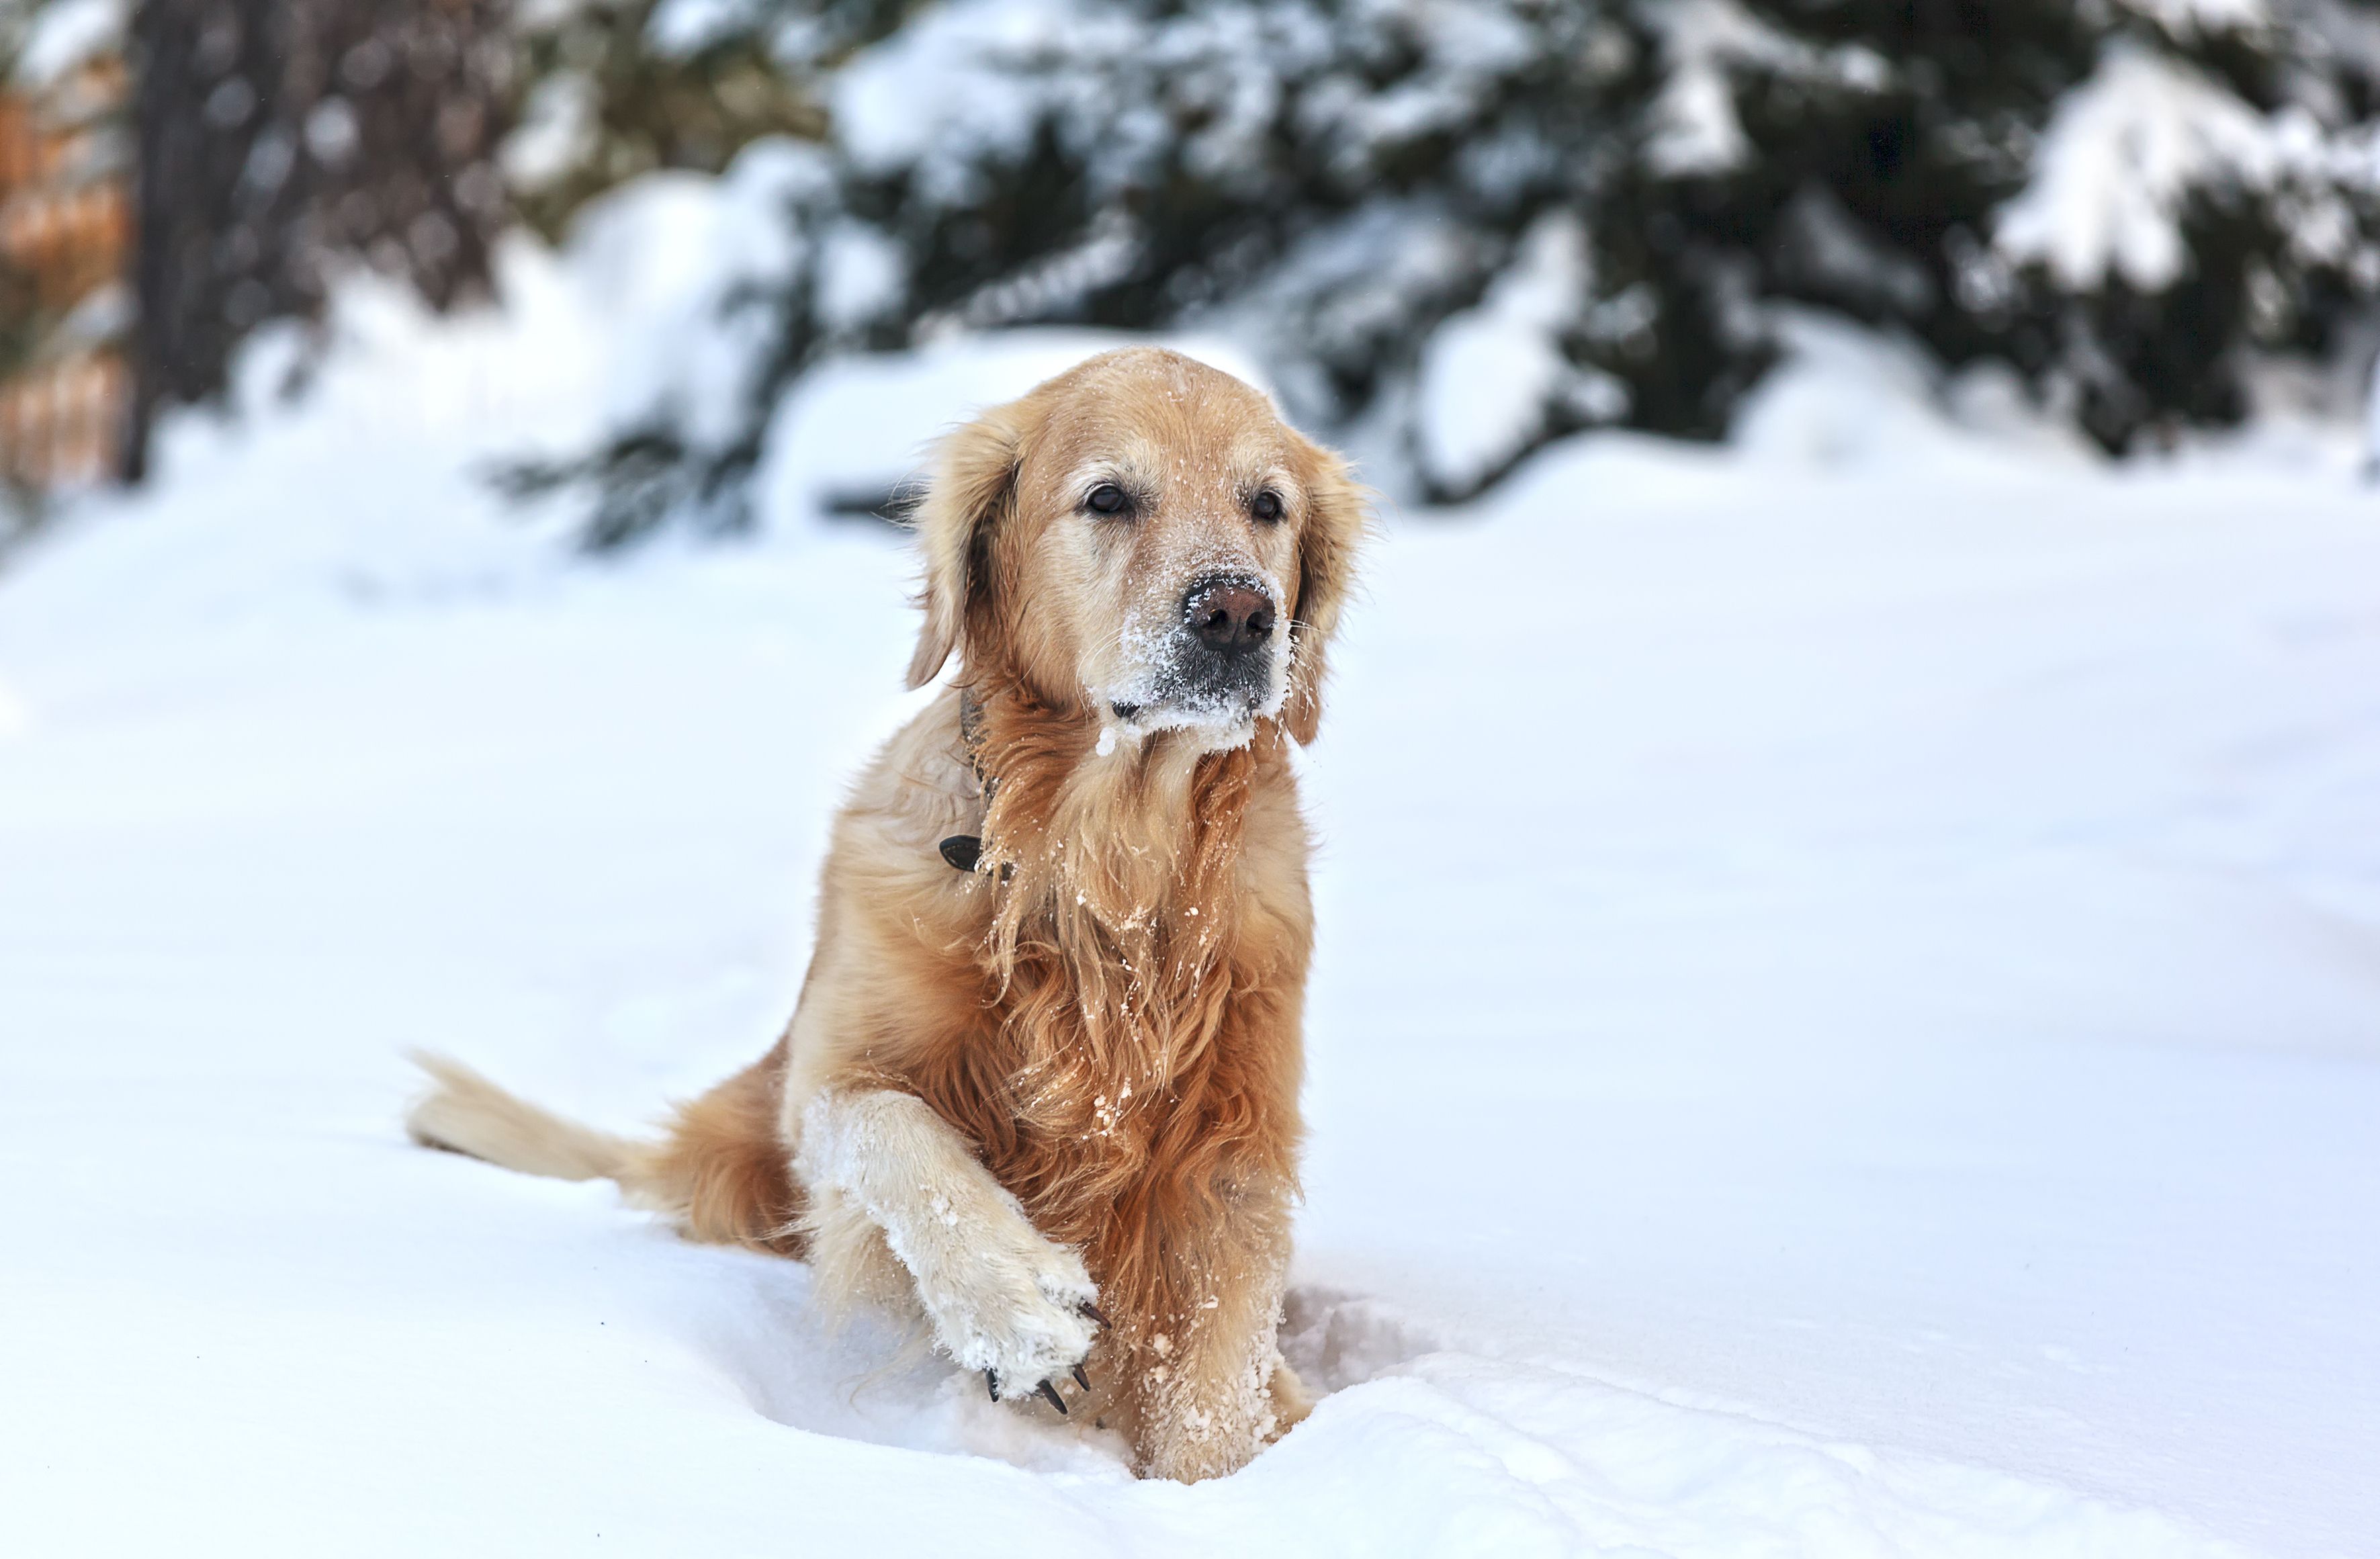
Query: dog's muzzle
[1232,633]
[1219,664]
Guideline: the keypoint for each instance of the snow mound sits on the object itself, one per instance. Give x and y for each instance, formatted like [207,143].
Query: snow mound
[1844,398]
[1490,376]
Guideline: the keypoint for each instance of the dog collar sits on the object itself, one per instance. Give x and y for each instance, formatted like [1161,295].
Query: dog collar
[963,851]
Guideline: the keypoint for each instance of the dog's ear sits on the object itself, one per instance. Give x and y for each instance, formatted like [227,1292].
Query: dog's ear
[973,482]
[1326,562]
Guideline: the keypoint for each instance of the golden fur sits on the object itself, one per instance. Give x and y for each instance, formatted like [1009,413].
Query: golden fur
[1106,1012]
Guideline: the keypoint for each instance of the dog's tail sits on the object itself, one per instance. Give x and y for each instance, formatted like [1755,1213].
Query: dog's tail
[723,1171]
[466,1114]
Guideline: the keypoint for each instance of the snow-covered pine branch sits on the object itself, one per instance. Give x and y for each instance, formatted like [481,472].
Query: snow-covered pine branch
[1454,230]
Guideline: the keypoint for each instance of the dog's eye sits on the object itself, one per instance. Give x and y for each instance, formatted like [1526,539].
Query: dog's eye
[1266,506]
[1107,499]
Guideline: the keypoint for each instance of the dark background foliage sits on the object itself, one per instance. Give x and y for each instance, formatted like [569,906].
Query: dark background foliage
[1347,185]
[1338,180]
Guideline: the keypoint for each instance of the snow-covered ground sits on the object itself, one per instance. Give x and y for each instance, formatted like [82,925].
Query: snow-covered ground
[1847,1023]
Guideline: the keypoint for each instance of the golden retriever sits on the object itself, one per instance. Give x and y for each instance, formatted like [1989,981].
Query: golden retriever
[1040,1089]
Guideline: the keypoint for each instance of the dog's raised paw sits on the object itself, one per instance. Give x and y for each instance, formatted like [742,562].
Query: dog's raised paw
[1018,1308]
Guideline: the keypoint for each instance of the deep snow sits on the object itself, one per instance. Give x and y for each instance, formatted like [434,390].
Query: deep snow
[1847,1021]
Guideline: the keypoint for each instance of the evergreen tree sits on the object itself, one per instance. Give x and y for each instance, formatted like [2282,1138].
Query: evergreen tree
[2125,199]
[1336,174]
[1459,228]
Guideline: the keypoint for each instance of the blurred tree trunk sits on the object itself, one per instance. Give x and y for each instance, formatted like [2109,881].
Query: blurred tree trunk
[276,138]
[213,165]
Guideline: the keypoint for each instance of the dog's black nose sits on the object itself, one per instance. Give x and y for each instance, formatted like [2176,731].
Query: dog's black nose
[1230,616]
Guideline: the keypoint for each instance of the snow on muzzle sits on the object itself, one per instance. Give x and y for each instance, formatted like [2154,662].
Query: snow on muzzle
[1221,661]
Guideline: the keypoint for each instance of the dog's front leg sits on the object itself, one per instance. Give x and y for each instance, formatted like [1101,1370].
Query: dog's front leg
[1207,1373]
[999,1296]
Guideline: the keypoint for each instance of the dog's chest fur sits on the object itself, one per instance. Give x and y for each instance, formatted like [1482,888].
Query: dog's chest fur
[1137,935]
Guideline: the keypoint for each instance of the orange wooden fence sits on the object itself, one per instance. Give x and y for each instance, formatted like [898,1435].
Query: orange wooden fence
[66,225]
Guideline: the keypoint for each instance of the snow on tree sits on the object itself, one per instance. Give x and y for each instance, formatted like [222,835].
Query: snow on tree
[1456,229]
[2126,200]
[1334,176]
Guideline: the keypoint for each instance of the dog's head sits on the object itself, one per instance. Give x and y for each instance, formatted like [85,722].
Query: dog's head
[1144,539]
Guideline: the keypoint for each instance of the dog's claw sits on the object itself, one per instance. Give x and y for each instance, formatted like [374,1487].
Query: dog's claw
[1050,1394]
[1093,1311]
[1081,1379]
[991,1385]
